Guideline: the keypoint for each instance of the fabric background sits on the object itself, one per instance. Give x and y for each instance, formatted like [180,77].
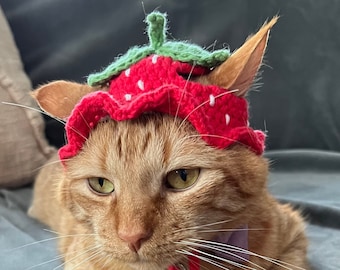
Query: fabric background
[70,39]
[23,147]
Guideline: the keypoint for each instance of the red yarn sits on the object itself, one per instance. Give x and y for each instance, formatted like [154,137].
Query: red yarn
[194,263]
[159,84]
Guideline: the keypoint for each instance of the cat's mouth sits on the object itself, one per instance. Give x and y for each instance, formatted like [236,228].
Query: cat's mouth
[148,265]
[139,262]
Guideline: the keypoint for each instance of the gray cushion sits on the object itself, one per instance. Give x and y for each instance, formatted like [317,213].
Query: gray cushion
[23,147]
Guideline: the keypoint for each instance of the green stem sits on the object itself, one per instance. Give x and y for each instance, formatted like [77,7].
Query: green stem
[156,29]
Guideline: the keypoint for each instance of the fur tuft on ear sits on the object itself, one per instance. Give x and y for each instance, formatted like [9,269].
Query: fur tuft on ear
[58,98]
[239,70]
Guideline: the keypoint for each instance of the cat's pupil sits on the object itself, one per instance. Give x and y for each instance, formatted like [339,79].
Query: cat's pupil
[101,181]
[183,174]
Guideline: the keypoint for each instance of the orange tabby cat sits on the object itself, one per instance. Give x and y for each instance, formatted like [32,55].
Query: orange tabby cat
[149,193]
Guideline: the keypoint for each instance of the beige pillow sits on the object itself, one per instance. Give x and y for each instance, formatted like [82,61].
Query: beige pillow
[23,147]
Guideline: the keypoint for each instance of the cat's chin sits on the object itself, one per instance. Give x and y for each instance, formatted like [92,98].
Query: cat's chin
[145,265]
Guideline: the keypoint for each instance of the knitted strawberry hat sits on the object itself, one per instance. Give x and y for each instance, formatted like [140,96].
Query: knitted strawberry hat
[154,78]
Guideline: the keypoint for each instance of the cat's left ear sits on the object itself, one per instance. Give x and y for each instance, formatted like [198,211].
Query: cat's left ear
[240,69]
[58,98]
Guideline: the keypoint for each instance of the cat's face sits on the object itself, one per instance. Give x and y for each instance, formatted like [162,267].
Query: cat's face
[146,187]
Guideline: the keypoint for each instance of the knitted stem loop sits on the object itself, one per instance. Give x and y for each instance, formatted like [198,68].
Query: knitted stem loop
[156,29]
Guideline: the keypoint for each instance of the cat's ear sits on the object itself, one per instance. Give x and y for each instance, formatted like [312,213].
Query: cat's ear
[58,98]
[239,70]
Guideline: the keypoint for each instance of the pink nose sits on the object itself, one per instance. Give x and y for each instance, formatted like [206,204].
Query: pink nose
[134,239]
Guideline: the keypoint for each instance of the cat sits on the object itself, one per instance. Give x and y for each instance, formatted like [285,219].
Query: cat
[151,193]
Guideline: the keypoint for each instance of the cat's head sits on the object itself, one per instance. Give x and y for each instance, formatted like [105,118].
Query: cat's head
[151,188]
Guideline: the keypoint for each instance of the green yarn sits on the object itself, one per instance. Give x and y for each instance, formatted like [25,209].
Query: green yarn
[156,29]
[177,50]
[191,53]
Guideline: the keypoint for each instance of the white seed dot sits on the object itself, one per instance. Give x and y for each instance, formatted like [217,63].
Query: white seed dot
[154,59]
[127,72]
[227,119]
[211,100]
[140,84]
[128,97]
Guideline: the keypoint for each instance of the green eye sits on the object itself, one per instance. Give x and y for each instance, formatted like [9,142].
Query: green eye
[101,185]
[182,178]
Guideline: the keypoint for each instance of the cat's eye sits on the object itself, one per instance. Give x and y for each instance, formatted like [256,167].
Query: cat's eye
[101,185]
[182,178]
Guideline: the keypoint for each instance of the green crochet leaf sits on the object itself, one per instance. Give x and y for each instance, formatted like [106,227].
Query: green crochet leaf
[177,50]
[191,53]
[133,55]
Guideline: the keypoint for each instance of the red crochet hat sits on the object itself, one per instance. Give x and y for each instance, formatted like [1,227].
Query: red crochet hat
[157,82]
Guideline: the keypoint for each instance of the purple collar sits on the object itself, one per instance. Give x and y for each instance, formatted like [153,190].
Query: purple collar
[237,239]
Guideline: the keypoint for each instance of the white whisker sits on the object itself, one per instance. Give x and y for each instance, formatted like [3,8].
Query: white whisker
[285,263]
[33,109]
[189,244]
[51,231]
[45,113]
[85,260]
[227,247]
[230,230]
[82,116]
[46,165]
[46,240]
[212,46]
[222,250]
[107,261]
[175,259]
[185,252]
[80,254]
[59,257]
[181,98]
[204,103]
[223,259]
[216,136]
[203,226]
[78,132]
[44,263]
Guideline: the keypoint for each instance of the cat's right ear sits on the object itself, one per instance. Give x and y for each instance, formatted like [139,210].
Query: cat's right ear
[238,72]
[58,98]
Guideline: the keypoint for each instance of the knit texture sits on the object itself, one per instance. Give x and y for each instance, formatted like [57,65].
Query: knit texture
[153,78]
[159,84]
[177,50]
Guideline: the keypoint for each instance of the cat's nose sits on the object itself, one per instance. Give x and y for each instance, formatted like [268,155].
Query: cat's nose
[134,239]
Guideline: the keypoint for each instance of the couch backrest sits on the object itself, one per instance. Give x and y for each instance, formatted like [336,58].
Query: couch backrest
[298,101]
